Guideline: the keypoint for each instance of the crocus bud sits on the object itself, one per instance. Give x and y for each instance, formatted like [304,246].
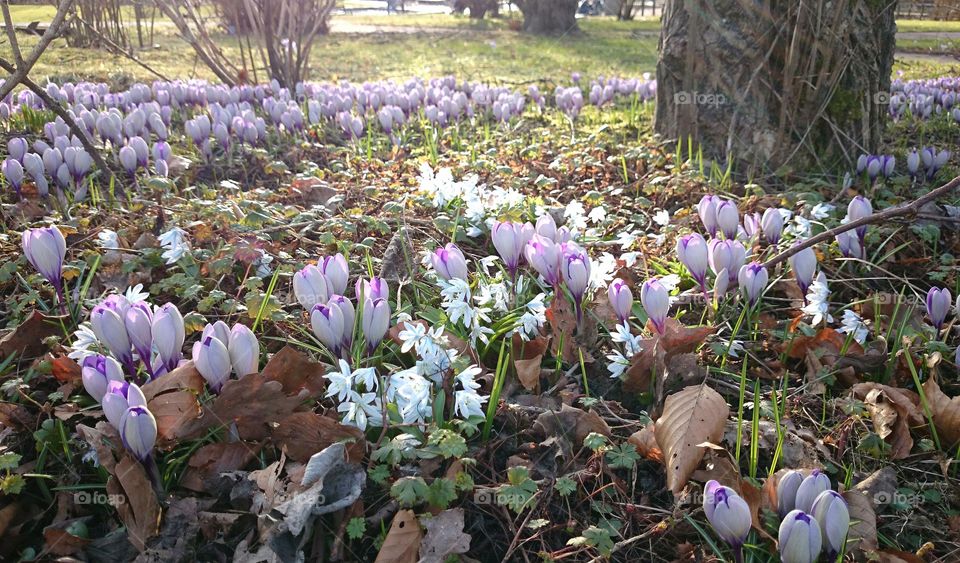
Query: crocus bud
[212,360]
[804,266]
[720,285]
[244,350]
[799,540]
[375,322]
[707,210]
[45,249]
[107,321]
[575,270]
[96,372]
[874,166]
[889,165]
[938,305]
[17,147]
[913,162]
[547,227]
[728,218]
[13,172]
[656,302]
[168,335]
[138,321]
[830,510]
[751,224]
[128,159]
[138,430]
[753,280]
[621,299]
[449,262]
[772,225]
[310,287]
[120,396]
[849,245]
[327,324]
[810,488]
[218,330]
[726,255]
[337,273]
[693,253]
[546,257]
[858,208]
[787,487]
[509,240]
[349,317]
[727,512]
[374,288]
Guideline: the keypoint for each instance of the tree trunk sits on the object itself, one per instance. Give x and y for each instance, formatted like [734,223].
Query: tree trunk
[548,16]
[776,84]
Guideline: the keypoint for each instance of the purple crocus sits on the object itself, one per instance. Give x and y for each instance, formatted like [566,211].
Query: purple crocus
[693,253]
[656,302]
[729,515]
[449,262]
[45,249]
[575,273]
[621,299]
[938,305]
[753,279]
[799,539]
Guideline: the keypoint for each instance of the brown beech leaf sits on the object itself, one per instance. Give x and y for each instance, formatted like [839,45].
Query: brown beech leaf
[58,541]
[296,372]
[26,341]
[172,399]
[692,416]
[826,344]
[402,544]
[569,339]
[894,412]
[213,459]
[945,412]
[658,349]
[65,369]
[862,536]
[105,441]
[444,536]
[303,434]
[252,403]
[528,372]
[570,422]
[139,510]
[645,442]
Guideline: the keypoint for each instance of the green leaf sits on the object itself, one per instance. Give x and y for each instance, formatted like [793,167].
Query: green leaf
[446,443]
[520,490]
[356,527]
[380,473]
[10,460]
[565,486]
[12,484]
[594,441]
[442,493]
[409,490]
[599,538]
[624,456]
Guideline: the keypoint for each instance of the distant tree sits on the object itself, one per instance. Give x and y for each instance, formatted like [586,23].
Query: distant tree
[625,10]
[477,8]
[548,16]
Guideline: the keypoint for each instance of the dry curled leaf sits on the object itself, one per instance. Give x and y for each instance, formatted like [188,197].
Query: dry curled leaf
[692,416]
[173,401]
[571,423]
[402,544]
[138,507]
[945,412]
[894,412]
[570,339]
[296,372]
[214,459]
[26,341]
[657,351]
[444,536]
[252,403]
[645,442]
[862,536]
[303,434]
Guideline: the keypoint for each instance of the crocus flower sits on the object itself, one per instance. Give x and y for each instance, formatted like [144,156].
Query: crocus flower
[787,487]
[120,396]
[693,253]
[772,225]
[751,224]
[913,163]
[728,218]
[656,302]
[509,239]
[804,266]
[810,488]
[13,172]
[128,159]
[576,273]
[17,147]
[546,257]
[107,320]
[938,305]
[799,540]
[375,322]
[621,299]
[449,262]
[831,512]
[874,165]
[849,245]
[888,165]
[728,513]
[374,288]
[138,320]
[45,249]
[348,313]
[547,227]
[168,335]
[726,255]
[753,280]
[244,349]
[858,208]
[310,287]
[337,273]
[212,359]
[707,210]
[138,430]
[96,372]
[327,323]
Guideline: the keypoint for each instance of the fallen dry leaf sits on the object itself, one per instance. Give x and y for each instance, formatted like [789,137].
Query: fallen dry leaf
[402,544]
[139,510]
[570,339]
[657,351]
[214,459]
[695,415]
[26,341]
[570,422]
[645,442]
[296,372]
[252,403]
[894,412]
[945,412]
[59,541]
[303,434]
[444,536]
[172,399]
[65,370]
[863,522]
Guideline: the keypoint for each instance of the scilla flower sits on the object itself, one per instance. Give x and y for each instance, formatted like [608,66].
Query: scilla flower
[729,515]
[799,540]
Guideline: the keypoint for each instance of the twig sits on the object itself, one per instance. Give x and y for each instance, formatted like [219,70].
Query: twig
[627,543]
[911,208]
[23,66]
[118,49]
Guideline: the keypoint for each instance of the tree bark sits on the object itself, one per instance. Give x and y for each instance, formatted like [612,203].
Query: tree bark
[776,84]
[548,16]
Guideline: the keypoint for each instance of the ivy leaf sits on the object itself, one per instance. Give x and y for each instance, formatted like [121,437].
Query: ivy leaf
[356,528]
[624,456]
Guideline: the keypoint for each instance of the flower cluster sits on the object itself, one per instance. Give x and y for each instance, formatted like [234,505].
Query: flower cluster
[814,518]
